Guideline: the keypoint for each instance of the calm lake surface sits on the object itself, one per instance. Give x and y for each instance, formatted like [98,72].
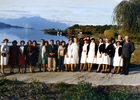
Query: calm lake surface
[27,34]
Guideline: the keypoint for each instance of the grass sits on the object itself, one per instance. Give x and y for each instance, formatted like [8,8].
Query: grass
[84,91]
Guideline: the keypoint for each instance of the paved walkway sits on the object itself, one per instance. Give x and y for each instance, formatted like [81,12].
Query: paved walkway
[74,77]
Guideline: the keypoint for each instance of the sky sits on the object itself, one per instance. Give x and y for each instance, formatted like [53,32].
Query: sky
[82,12]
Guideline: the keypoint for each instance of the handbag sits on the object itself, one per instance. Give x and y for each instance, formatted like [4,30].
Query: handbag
[3,54]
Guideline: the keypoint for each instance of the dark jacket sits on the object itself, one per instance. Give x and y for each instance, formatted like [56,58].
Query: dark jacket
[102,48]
[96,48]
[128,49]
[52,50]
[109,50]
[66,47]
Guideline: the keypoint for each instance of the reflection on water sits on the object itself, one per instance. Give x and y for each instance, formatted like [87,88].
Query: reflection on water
[27,34]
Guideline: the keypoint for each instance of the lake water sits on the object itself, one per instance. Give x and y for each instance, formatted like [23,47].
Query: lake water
[27,34]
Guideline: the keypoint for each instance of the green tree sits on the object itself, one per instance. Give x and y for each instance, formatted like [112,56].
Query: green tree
[127,15]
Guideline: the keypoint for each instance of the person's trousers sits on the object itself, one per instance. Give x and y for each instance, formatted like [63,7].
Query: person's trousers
[126,64]
[50,61]
[61,62]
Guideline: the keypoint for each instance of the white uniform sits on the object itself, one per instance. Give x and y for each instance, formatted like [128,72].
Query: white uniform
[84,52]
[91,54]
[107,59]
[68,60]
[40,54]
[4,49]
[99,60]
[112,58]
[75,53]
[118,61]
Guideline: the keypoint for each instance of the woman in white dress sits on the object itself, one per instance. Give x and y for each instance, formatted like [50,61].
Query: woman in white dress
[84,54]
[74,54]
[4,55]
[100,54]
[40,54]
[118,60]
[107,58]
[92,54]
[67,52]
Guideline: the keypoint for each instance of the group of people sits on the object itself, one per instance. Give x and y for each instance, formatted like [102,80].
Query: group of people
[85,53]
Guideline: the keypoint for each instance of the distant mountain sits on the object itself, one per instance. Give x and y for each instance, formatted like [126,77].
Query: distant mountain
[3,25]
[35,22]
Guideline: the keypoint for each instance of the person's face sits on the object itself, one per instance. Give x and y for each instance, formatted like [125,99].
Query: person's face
[46,43]
[92,41]
[51,42]
[107,40]
[119,37]
[88,38]
[15,44]
[118,43]
[126,38]
[100,40]
[112,41]
[63,43]
[5,41]
[70,42]
[42,41]
[29,43]
[34,43]
[57,42]
[75,40]
[22,43]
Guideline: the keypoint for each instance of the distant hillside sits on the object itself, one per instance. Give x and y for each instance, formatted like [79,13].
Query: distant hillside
[35,22]
[3,25]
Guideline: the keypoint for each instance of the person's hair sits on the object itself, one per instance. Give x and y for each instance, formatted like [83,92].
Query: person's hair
[119,35]
[22,41]
[70,39]
[63,42]
[47,42]
[35,42]
[112,40]
[5,40]
[88,36]
[29,41]
[14,42]
[57,41]
[101,38]
[117,42]
[126,36]
[43,41]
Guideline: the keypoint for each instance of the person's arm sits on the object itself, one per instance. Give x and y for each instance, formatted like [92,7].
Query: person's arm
[96,49]
[2,49]
[132,47]
[59,52]
[88,47]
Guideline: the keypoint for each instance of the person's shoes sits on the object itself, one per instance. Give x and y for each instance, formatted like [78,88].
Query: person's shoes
[121,73]
[24,71]
[103,71]
[97,71]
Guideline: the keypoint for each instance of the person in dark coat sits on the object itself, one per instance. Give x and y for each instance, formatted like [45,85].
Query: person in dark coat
[34,55]
[52,53]
[57,45]
[13,59]
[28,55]
[127,50]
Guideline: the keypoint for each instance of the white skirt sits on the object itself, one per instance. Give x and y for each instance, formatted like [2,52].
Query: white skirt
[118,61]
[4,60]
[107,60]
[67,60]
[75,59]
[83,57]
[91,58]
[100,60]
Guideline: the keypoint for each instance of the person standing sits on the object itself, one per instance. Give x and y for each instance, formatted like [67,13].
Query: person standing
[92,54]
[21,56]
[52,50]
[34,55]
[84,55]
[118,60]
[121,40]
[28,55]
[40,54]
[13,59]
[127,50]
[61,50]
[4,55]
[100,54]
[74,54]
[45,56]
[57,46]
[67,52]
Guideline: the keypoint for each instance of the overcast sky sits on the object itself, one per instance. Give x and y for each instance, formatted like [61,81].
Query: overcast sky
[83,12]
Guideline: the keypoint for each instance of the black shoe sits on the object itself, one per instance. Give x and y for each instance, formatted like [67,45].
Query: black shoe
[97,71]
[24,71]
[121,73]
[103,71]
